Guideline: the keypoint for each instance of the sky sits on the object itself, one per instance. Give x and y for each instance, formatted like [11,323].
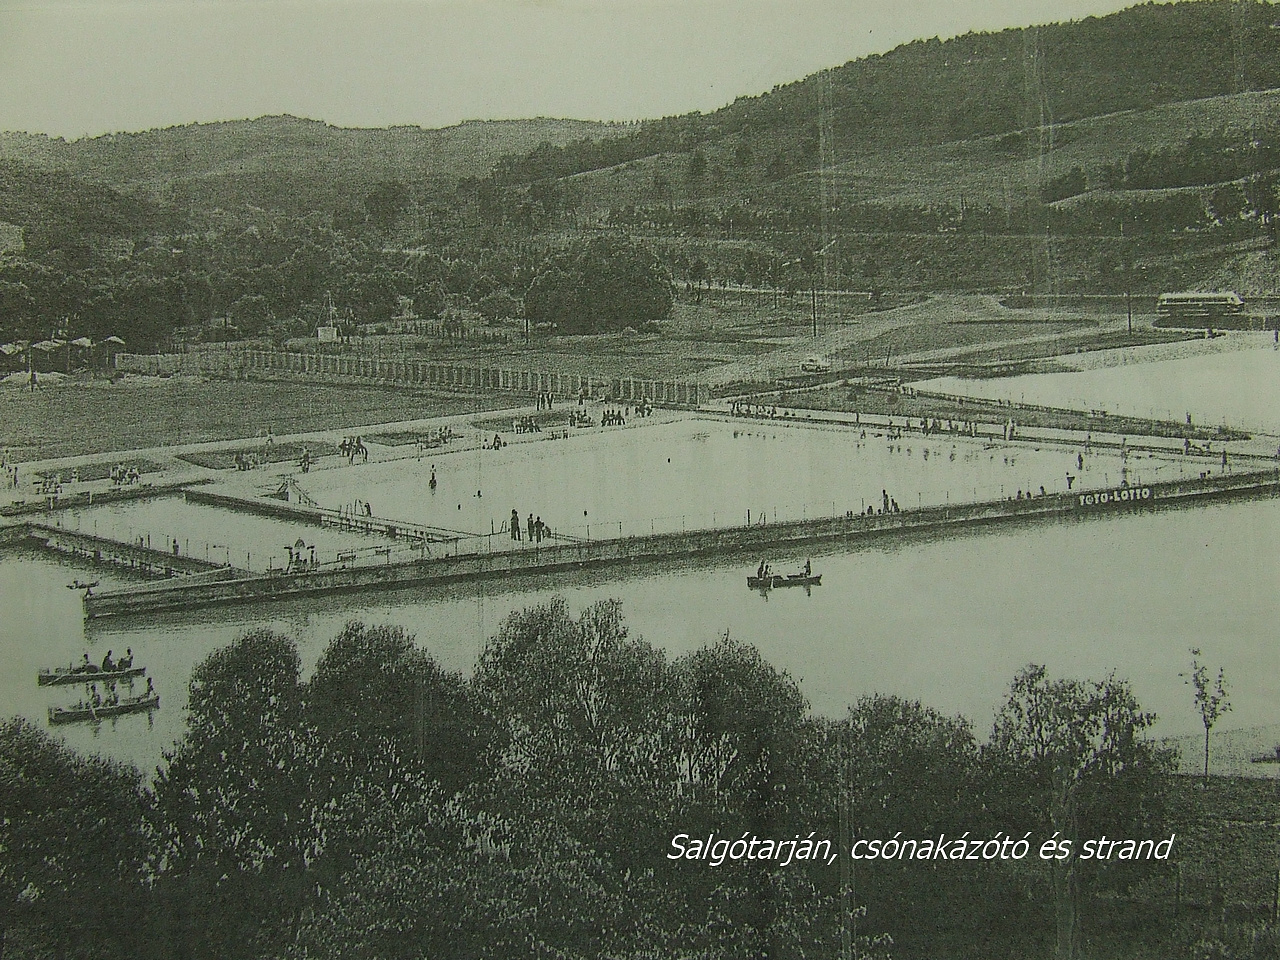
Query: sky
[74,68]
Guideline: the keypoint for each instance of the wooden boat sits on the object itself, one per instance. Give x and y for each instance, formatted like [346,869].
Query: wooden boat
[93,714]
[60,676]
[791,580]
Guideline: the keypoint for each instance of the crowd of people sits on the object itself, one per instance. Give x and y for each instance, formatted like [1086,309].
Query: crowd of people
[436,438]
[109,663]
[535,530]
[301,556]
[525,425]
[352,447]
[761,411]
[91,671]
[124,476]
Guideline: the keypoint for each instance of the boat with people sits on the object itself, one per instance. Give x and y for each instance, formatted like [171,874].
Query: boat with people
[766,579]
[93,712]
[109,671]
[60,676]
[779,580]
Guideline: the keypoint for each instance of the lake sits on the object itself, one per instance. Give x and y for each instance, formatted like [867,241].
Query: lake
[946,619]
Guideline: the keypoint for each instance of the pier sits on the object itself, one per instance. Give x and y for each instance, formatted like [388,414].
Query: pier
[326,517]
[749,540]
[137,557]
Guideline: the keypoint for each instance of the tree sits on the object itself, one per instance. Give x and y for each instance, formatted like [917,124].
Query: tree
[1071,754]
[251,315]
[1263,194]
[583,702]
[444,882]
[499,305]
[909,768]
[749,755]
[601,286]
[1210,699]
[234,802]
[73,847]
[382,709]
[385,202]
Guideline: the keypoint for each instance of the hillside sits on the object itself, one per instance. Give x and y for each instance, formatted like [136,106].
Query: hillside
[994,169]
[289,163]
[977,85]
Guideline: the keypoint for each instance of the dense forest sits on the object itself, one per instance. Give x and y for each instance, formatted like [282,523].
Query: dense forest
[1138,148]
[385,808]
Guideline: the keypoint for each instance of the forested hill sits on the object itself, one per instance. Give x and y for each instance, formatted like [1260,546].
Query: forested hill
[977,85]
[287,162]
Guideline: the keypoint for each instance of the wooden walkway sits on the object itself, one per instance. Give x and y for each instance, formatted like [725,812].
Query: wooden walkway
[102,550]
[324,517]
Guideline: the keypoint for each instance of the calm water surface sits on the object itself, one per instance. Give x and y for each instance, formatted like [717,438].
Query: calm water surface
[947,620]
[699,473]
[1240,387]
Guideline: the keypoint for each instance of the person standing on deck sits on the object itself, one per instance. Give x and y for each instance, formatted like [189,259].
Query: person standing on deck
[515,525]
[530,530]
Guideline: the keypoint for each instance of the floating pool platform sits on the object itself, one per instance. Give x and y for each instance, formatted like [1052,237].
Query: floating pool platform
[184,593]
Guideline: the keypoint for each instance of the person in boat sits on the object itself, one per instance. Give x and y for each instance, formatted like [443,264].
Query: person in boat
[808,568]
[126,662]
[151,691]
[88,666]
[108,663]
[760,571]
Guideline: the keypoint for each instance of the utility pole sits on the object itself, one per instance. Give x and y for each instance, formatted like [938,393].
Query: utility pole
[1128,277]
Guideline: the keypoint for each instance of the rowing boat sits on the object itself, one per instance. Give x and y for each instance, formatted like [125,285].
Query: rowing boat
[777,580]
[92,713]
[64,675]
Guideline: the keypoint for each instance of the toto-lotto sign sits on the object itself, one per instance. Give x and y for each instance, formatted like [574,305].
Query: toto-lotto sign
[1109,498]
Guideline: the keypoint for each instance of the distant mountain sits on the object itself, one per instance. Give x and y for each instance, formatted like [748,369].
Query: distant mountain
[289,163]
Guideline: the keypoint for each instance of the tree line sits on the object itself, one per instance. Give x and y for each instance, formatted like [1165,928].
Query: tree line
[386,807]
[278,279]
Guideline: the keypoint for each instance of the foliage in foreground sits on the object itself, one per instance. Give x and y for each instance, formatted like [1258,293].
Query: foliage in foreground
[387,808]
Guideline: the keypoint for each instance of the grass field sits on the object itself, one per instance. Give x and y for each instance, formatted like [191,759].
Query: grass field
[81,417]
[705,330]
